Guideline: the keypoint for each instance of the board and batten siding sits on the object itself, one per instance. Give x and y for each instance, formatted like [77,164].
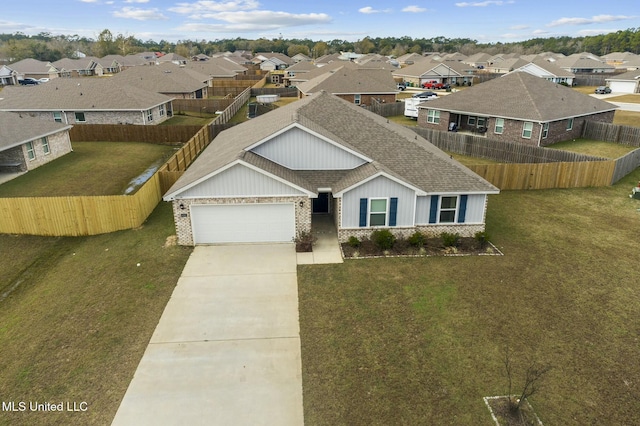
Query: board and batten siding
[297,149]
[474,212]
[239,181]
[380,187]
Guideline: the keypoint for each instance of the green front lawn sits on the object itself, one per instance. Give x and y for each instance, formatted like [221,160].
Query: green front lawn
[421,340]
[93,168]
[81,315]
[189,119]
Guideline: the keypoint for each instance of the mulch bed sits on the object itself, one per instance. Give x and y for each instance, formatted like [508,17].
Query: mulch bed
[432,247]
[507,417]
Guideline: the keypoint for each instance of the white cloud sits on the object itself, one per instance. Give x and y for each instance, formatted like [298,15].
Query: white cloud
[587,21]
[483,3]
[519,27]
[539,32]
[414,9]
[89,1]
[595,32]
[139,14]
[136,1]
[205,6]
[368,10]
[256,20]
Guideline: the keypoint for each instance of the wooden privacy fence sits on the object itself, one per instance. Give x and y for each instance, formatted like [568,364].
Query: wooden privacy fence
[207,106]
[547,175]
[625,165]
[386,110]
[235,106]
[170,135]
[77,216]
[625,135]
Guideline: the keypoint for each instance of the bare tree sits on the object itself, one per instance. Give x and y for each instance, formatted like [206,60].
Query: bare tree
[533,374]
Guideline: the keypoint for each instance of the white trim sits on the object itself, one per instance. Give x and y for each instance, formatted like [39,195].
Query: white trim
[456,210]
[386,212]
[173,195]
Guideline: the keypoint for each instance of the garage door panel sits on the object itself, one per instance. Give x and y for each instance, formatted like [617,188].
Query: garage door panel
[231,223]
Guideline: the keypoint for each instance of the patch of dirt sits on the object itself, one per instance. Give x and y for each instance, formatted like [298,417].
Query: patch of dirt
[525,416]
[171,240]
[431,247]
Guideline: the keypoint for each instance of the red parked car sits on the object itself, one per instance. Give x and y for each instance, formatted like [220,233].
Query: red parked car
[435,85]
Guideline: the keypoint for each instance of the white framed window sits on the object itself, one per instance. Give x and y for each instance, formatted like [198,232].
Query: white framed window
[149,115]
[161,110]
[527,129]
[499,126]
[570,124]
[357,99]
[378,211]
[80,118]
[482,121]
[433,116]
[545,130]
[45,145]
[31,153]
[471,120]
[57,116]
[448,206]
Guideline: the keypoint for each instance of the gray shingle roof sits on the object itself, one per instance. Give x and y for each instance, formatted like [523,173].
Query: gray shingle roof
[351,79]
[90,93]
[166,78]
[20,128]
[394,149]
[521,96]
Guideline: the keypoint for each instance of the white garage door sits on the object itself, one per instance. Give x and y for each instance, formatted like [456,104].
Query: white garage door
[622,86]
[243,223]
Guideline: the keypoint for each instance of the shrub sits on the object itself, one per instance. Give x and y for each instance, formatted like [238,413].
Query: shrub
[353,242]
[383,238]
[304,242]
[449,239]
[482,238]
[417,239]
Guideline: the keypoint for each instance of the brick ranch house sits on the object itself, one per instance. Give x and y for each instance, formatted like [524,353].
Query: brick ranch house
[28,143]
[517,107]
[264,180]
[90,100]
[354,84]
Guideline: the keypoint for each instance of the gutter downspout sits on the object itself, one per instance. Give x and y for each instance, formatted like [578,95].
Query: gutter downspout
[540,135]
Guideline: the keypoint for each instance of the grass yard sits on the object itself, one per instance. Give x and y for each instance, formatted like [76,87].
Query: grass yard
[421,340]
[78,323]
[591,147]
[627,118]
[93,168]
[189,119]
[630,98]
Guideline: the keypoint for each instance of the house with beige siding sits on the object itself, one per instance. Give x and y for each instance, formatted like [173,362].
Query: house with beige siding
[167,79]
[87,100]
[28,143]
[518,107]
[266,180]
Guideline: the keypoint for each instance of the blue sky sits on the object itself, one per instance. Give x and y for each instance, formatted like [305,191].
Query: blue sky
[173,20]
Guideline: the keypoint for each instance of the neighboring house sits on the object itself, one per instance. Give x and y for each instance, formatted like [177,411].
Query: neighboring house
[109,64]
[298,69]
[584,63]
[263,180]
[32,68]
[629,82]
[83,67]
[8,77]
[547,70]
[27,142]
[327,59]
[167,79]
[409,59]
[623,60]
[87,100]
[300,57]
[214,69]
[518,107]
[452,72]
[273,64]
[478,60]
[505,66]
[272,61]
[354,84]
[173,58]
[200,57]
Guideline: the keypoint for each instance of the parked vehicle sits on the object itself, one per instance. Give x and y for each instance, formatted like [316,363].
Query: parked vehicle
[28,81]
[411,104]
[402,85]
[433,84]
[43,80]
[602,90]
[425,95]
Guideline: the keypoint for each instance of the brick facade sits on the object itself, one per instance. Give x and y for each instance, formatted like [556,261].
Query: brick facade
[108,117]
[365,99]
[59,145]
[182,217]
[512,131]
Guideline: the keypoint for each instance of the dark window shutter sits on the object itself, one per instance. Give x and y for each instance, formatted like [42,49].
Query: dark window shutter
[433,212]
[363,212]
[462,212]
[393,212]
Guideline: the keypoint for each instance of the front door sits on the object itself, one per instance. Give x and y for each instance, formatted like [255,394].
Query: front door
[321,204]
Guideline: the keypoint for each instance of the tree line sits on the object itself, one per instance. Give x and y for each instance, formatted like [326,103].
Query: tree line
[48,47]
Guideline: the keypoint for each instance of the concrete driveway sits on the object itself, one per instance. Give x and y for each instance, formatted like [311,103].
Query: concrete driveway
[227,348]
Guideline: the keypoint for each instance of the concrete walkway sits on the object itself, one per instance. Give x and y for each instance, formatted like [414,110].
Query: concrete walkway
[227,348]
[326,248]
